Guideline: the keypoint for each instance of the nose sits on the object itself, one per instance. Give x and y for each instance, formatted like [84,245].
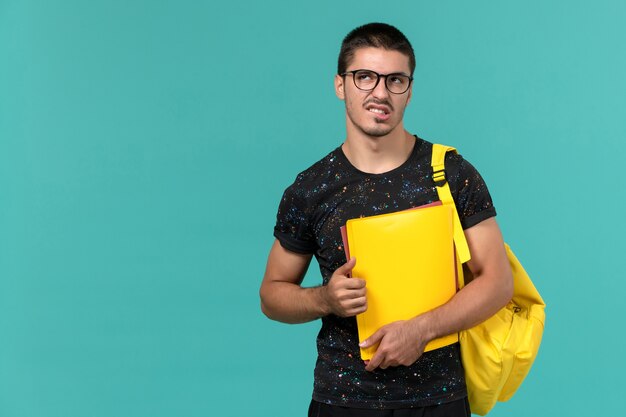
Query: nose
[380,90]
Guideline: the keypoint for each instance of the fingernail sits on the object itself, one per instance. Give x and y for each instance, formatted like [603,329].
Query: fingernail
[363,343]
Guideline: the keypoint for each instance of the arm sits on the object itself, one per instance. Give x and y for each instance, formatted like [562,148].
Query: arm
[403,342]
[284,299]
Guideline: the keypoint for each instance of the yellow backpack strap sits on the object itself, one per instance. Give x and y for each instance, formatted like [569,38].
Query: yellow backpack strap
[443,190]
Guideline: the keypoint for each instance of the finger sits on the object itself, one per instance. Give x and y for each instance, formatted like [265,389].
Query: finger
[358,309]
[373,339]
[356,303]
[346,268]
[376,360]
[351,294]
[347,294]
[352,310]
[354,283]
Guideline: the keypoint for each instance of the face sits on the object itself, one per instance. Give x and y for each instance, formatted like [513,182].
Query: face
[378,112]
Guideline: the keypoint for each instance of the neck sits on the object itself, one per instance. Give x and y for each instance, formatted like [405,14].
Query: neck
[378,154]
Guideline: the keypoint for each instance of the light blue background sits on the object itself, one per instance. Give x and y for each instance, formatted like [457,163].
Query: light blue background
[144,146]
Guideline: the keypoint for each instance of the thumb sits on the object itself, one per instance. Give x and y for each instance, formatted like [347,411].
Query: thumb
[346,268]
[373,339]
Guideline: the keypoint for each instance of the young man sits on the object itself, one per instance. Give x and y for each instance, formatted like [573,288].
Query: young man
[380,168]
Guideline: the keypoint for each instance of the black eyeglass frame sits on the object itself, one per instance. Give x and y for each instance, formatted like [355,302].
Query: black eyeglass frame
[378,77]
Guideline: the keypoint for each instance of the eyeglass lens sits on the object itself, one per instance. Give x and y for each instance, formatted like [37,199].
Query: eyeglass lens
[395,83]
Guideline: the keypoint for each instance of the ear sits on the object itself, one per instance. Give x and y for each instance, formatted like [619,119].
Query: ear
[339,86]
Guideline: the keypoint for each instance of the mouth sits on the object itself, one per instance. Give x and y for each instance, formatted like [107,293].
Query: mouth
[381,112]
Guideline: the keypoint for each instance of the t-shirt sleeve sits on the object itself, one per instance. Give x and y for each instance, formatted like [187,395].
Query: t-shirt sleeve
[293,222]
[470,193]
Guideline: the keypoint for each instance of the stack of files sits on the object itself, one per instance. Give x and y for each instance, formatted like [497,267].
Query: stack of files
[407,259]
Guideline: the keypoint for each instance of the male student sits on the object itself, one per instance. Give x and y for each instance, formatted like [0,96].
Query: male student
[379,168]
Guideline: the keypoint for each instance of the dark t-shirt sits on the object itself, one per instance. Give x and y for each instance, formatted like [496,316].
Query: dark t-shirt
[310,215]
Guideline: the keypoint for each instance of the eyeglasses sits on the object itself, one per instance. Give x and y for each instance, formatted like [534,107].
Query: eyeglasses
[367,80]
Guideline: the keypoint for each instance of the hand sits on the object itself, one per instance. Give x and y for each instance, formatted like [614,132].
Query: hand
[399,343]
[345,296]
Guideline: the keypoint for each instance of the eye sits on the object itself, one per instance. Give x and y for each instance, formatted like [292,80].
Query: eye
[398,79]
[365,76]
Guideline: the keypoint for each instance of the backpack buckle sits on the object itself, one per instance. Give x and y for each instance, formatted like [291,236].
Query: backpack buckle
[439,177]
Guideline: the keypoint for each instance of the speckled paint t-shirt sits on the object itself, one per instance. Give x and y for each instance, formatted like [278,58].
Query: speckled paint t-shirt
[310,215]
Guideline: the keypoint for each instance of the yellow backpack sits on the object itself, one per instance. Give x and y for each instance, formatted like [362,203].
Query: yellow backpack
[498,353]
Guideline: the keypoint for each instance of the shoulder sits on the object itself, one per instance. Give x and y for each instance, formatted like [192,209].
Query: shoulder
[469,190]
[301,203]
[458,168]
[315,177]
[455,163]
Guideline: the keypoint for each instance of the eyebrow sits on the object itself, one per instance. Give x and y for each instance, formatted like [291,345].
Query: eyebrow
[379,73]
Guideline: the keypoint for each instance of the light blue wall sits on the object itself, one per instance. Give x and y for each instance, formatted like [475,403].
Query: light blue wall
[144,146]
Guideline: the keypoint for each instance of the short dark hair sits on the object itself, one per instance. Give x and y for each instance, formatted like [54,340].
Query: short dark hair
[377,35]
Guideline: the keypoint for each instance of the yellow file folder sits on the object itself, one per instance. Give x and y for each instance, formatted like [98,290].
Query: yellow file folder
[408,262]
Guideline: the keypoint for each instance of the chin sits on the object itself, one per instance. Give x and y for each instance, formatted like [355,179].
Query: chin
[377,131]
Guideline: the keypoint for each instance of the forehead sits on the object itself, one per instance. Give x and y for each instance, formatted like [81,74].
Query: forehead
[380,60]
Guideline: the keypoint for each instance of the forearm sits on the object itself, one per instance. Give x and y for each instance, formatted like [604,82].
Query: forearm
[476,302]
[289,303]
[403,342]
[489,290]
[283,299]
